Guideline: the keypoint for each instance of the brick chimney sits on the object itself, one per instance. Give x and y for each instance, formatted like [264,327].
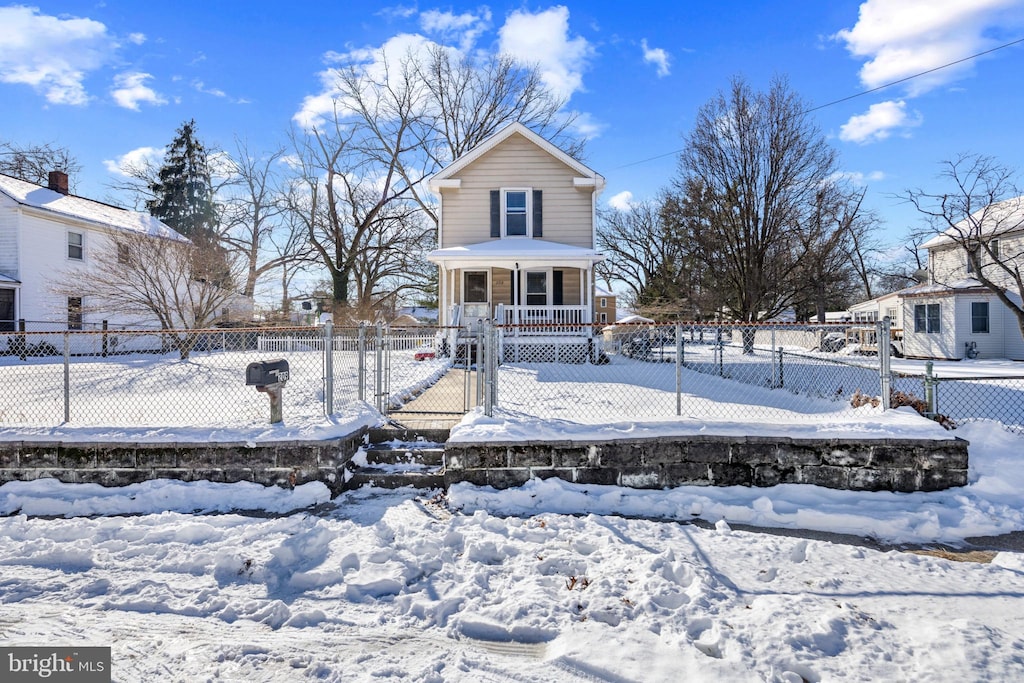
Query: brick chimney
[59,181]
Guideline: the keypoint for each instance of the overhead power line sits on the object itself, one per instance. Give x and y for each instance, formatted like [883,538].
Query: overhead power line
[856,95]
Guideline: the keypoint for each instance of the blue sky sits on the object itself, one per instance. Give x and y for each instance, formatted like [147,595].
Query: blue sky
[113,80]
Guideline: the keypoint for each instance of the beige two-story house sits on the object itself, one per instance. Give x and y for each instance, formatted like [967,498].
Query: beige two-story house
[516,237]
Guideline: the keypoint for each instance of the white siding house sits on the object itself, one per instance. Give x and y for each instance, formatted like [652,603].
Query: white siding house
[47,237]
[953,315]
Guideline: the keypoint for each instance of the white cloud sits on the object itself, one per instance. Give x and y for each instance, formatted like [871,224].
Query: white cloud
[130,90]
[51,54]
[878,123]
[200,86]
[585,126]
[656,56]
[316,109]
[859,178]
[461,28]
[136,159]
[543,39]
[900,38]
[137,38]
[623,201]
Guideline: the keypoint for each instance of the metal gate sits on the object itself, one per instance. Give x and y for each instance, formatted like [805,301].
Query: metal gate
[447,372]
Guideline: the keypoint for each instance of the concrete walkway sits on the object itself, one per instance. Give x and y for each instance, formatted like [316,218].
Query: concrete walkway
[442,405]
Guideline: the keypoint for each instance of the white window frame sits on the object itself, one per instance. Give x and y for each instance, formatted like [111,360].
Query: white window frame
[988,317]
[68,245]
[976,250]
[604,302]
[529,212]
[549,285]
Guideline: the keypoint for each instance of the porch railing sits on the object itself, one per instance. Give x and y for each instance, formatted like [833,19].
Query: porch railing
[550,320]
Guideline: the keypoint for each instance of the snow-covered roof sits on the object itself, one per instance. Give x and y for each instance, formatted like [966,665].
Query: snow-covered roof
[600,291]
[965,286]
[515,253]
[8,279]
[508,131]
[82,209]
[633,318]
[995,219]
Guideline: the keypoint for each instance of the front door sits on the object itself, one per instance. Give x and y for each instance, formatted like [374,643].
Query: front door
[475,300]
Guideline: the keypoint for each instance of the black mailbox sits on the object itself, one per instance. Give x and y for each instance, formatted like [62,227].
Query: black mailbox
[266,373]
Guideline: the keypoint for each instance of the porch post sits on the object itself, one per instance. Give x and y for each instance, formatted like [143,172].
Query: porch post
[442,297]
[587,297]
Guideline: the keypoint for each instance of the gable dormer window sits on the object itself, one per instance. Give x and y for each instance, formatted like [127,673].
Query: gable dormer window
[516,212]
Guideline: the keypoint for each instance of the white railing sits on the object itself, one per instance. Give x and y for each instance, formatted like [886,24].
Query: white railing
[552,320]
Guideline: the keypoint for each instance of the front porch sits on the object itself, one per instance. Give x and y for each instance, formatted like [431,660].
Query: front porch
[529,287]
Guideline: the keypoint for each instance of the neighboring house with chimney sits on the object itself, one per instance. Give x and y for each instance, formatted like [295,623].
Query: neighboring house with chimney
[516,242]
[47,236]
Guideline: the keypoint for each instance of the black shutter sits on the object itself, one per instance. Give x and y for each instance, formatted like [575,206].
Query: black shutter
[556,288]
[538,213]
[495,213]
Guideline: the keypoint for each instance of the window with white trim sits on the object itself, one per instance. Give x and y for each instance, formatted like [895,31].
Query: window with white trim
[979,317]
[604,302]
[515,215]
[927,318]
[973,256]
[76,246]
[536,288]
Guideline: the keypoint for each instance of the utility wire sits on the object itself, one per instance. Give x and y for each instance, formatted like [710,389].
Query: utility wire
[855,95]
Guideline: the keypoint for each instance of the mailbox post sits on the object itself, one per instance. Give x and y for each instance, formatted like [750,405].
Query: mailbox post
[269,377]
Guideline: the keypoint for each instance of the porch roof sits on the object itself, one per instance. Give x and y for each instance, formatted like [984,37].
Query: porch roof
[515,253]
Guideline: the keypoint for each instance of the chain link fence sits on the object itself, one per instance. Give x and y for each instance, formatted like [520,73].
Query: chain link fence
[650,371]
[586,374]
[957,400]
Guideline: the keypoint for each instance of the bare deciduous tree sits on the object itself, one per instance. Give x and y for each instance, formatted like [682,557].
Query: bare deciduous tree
[345,198]
[760,162]
[172,280]
[33,163]
[643,253]
[253,224]
[982,208]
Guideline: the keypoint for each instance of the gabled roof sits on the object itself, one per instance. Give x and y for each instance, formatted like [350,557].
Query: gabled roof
[82,209]
[505,133]
[995,219]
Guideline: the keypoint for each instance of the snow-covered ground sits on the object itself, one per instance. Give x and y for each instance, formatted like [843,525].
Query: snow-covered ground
[549,582]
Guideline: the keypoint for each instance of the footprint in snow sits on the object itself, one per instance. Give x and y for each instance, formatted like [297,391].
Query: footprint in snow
[767,575]
[799,552]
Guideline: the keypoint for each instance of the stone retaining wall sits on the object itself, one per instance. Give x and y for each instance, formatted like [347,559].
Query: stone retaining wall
[281,463]
[855,464]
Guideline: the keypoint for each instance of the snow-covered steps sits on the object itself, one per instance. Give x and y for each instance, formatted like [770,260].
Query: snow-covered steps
[420,453]
[388,478]
[397,457]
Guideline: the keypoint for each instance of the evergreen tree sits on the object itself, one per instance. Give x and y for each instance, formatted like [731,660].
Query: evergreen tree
[183,190]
